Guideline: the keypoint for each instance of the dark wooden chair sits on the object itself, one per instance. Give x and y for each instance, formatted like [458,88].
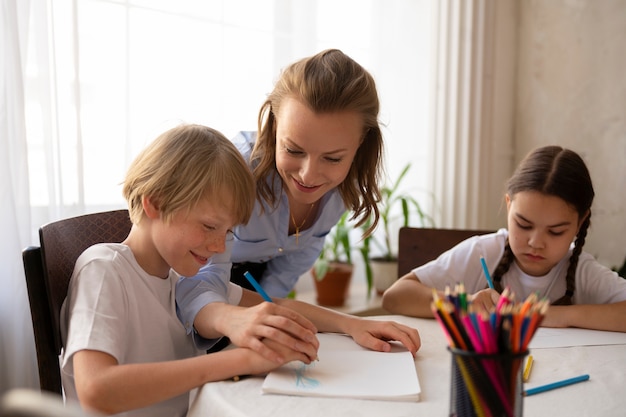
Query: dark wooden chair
[416,245]
[48,269]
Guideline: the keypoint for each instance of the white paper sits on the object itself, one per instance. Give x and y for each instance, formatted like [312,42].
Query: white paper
[547,337]
[347,370]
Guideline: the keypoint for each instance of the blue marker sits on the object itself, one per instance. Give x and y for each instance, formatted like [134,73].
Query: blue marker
[257,287]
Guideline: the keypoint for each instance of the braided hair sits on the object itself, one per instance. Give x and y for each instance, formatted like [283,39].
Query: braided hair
[559,172]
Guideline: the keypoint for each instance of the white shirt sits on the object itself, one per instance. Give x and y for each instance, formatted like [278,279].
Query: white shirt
[595,283]
[114,306]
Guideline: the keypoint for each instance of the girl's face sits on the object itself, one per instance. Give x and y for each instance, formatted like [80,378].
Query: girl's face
[541,229]
[314,151]
[188,241]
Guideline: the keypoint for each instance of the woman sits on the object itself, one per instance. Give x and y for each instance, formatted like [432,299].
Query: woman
[318,153]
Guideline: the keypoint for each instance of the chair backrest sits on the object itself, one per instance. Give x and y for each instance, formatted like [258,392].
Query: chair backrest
[416,245]
[48,269]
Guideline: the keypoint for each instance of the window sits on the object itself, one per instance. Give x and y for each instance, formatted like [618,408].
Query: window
[115,74]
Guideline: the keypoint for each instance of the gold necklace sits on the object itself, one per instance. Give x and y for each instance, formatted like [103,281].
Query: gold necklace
[297,234]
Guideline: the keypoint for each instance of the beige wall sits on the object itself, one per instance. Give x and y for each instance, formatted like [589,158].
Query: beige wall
[571,91]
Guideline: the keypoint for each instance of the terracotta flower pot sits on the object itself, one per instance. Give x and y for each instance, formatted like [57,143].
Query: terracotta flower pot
[332,290]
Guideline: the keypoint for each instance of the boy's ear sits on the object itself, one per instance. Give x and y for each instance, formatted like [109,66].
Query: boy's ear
[150,208]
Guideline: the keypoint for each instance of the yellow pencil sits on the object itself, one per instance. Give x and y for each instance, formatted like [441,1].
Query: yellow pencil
[527,368]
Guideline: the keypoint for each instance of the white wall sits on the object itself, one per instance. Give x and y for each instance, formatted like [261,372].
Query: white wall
[571,91]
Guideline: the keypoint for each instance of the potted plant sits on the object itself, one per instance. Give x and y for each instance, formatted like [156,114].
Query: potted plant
[332,270]
[396,210]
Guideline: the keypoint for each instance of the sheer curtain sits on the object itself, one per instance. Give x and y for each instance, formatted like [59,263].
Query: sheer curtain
[87,83]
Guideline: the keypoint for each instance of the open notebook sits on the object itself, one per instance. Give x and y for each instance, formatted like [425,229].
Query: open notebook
[347,370]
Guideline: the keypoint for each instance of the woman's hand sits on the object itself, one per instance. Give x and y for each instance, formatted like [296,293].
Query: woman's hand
[273,331]
[375,334]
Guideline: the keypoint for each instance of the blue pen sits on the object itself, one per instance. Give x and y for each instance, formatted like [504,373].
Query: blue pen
[555,385]
[257,287]
[486,271]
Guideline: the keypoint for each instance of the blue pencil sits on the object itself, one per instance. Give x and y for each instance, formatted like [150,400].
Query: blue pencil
[257,286]
[555,385]
[486,271]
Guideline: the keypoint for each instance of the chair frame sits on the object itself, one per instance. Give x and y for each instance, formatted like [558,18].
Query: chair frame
[48,269]
[417,246]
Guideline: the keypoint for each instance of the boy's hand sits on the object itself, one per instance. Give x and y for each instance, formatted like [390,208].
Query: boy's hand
[260,364]
[272,331]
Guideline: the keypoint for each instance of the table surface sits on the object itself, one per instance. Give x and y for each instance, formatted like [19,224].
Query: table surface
[603,395]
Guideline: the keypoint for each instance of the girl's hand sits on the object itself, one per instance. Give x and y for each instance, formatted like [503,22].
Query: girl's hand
[484,300]
[375,334]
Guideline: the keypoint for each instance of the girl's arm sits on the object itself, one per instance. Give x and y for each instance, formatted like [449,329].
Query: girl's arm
[409,297]
[588,316]
[106,387]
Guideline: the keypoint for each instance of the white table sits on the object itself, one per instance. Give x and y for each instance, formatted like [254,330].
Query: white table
[603,395]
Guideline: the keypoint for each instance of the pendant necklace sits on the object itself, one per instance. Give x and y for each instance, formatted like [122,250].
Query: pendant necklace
[297,234]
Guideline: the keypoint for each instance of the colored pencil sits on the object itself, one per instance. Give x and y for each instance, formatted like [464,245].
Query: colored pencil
[257,286]
[486,271]
[527,368]
[555,385]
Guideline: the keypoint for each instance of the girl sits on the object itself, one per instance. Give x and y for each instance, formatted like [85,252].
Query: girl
[548,203]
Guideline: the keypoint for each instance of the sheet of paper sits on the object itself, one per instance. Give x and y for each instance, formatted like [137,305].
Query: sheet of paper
[547,337]
[347,370]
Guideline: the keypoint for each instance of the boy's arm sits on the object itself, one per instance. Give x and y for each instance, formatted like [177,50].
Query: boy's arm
[106,387]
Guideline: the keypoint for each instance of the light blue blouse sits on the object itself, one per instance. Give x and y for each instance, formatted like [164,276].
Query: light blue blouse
[264,239]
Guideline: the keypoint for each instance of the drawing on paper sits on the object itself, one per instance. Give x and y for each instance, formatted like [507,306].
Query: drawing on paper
[301,378]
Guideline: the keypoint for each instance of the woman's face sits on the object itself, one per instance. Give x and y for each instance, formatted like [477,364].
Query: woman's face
[541,229]
[314,151]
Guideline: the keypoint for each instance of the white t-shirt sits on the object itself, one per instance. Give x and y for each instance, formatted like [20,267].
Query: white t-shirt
[595,283]
[114,306]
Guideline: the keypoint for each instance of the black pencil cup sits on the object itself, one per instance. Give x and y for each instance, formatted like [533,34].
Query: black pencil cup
[486,384]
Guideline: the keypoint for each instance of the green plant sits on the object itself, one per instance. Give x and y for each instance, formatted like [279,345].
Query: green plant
[337,247]
[393,206]
[391,198]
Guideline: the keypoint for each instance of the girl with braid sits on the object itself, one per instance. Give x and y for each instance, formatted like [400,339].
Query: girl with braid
[548,201]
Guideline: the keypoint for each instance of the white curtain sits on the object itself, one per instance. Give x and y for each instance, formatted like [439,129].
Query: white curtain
[16,340]
[87,83]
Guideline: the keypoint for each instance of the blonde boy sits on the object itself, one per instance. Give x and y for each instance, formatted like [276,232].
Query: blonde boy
[125,349]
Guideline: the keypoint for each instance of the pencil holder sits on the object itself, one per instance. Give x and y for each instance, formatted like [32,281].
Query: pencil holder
[486,384]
